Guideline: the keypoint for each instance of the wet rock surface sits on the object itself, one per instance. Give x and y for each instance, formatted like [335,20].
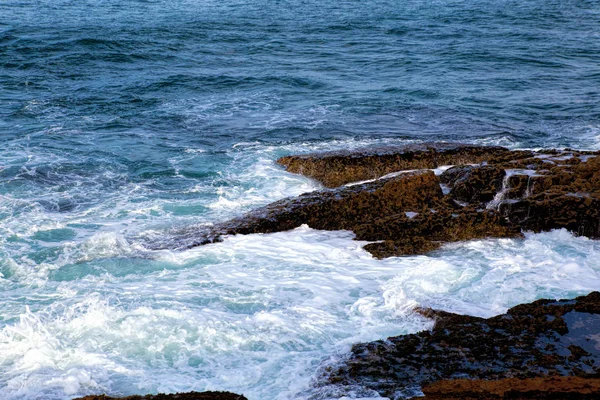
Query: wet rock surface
[408,213]
[558,388]
[543,339]
[175,396]
[405,208]
[473,184]
[559,192]
[334,169]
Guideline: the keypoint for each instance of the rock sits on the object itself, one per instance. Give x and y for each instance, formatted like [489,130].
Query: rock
[564,196]
[176,396]
[559,388]
[546,338]
[411,246]
[430,228]
[492,192]
[341,208]
[579,213]
[338,168]
[345,207]
[473,184]
[375,211]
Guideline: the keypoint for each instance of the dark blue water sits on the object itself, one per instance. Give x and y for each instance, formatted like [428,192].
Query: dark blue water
[126,123]
[157,73]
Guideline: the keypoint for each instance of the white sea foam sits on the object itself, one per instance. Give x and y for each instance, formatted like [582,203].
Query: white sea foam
[437,171]
[261,182]
[257,314]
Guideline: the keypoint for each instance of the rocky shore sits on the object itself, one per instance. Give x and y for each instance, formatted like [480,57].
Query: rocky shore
[412,200]
[543,339]
[547,349]
[557,388]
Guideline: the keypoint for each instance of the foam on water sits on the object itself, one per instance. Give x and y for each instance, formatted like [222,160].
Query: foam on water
[88,308]
[257,314]
[126,128]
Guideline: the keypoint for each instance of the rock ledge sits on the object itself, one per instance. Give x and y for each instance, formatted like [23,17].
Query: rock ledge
[543,339]
[413,200]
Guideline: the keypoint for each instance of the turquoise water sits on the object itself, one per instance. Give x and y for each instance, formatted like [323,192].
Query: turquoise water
[127,124]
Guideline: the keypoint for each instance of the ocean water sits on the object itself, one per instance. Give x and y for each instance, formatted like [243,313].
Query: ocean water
[127,123]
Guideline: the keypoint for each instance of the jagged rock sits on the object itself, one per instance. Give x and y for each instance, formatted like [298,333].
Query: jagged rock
[430,228]
[341,208]
[334,169]
[375,211]
[492,192]
[175,396]
[577,212]
[558,388]
[545,338]
[473,184]
[411,246]
[564,196]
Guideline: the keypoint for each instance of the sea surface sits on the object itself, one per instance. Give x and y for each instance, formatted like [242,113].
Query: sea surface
[126,123]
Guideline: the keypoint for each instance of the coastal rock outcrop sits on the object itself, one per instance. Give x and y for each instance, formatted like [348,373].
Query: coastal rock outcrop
[563,191]
[473,184]
[405,214]
[338,168]
[543,339]
[412,199]
[557,388]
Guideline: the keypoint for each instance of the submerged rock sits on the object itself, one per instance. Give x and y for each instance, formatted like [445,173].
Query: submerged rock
[175,396]
[546,338]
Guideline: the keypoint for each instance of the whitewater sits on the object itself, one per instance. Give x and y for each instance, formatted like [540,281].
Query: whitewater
[127,126]
[88,308]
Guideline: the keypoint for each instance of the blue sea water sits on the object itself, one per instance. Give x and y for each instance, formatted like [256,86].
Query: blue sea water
[127,123]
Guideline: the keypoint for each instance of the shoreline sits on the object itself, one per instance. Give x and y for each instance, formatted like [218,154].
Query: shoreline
[540,350]
[474,192]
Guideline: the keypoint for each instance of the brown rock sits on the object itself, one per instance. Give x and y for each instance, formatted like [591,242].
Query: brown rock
[375,211]
[411,246]
[503,193]
[334,209]
[566,196]
[560,387]
[473,184]
[430,228]
[546,338]
[338,168]
[579,213]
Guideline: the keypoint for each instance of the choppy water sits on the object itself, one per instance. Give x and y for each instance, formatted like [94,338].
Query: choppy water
[126,122]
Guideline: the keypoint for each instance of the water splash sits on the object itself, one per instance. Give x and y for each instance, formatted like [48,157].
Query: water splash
[500,197]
